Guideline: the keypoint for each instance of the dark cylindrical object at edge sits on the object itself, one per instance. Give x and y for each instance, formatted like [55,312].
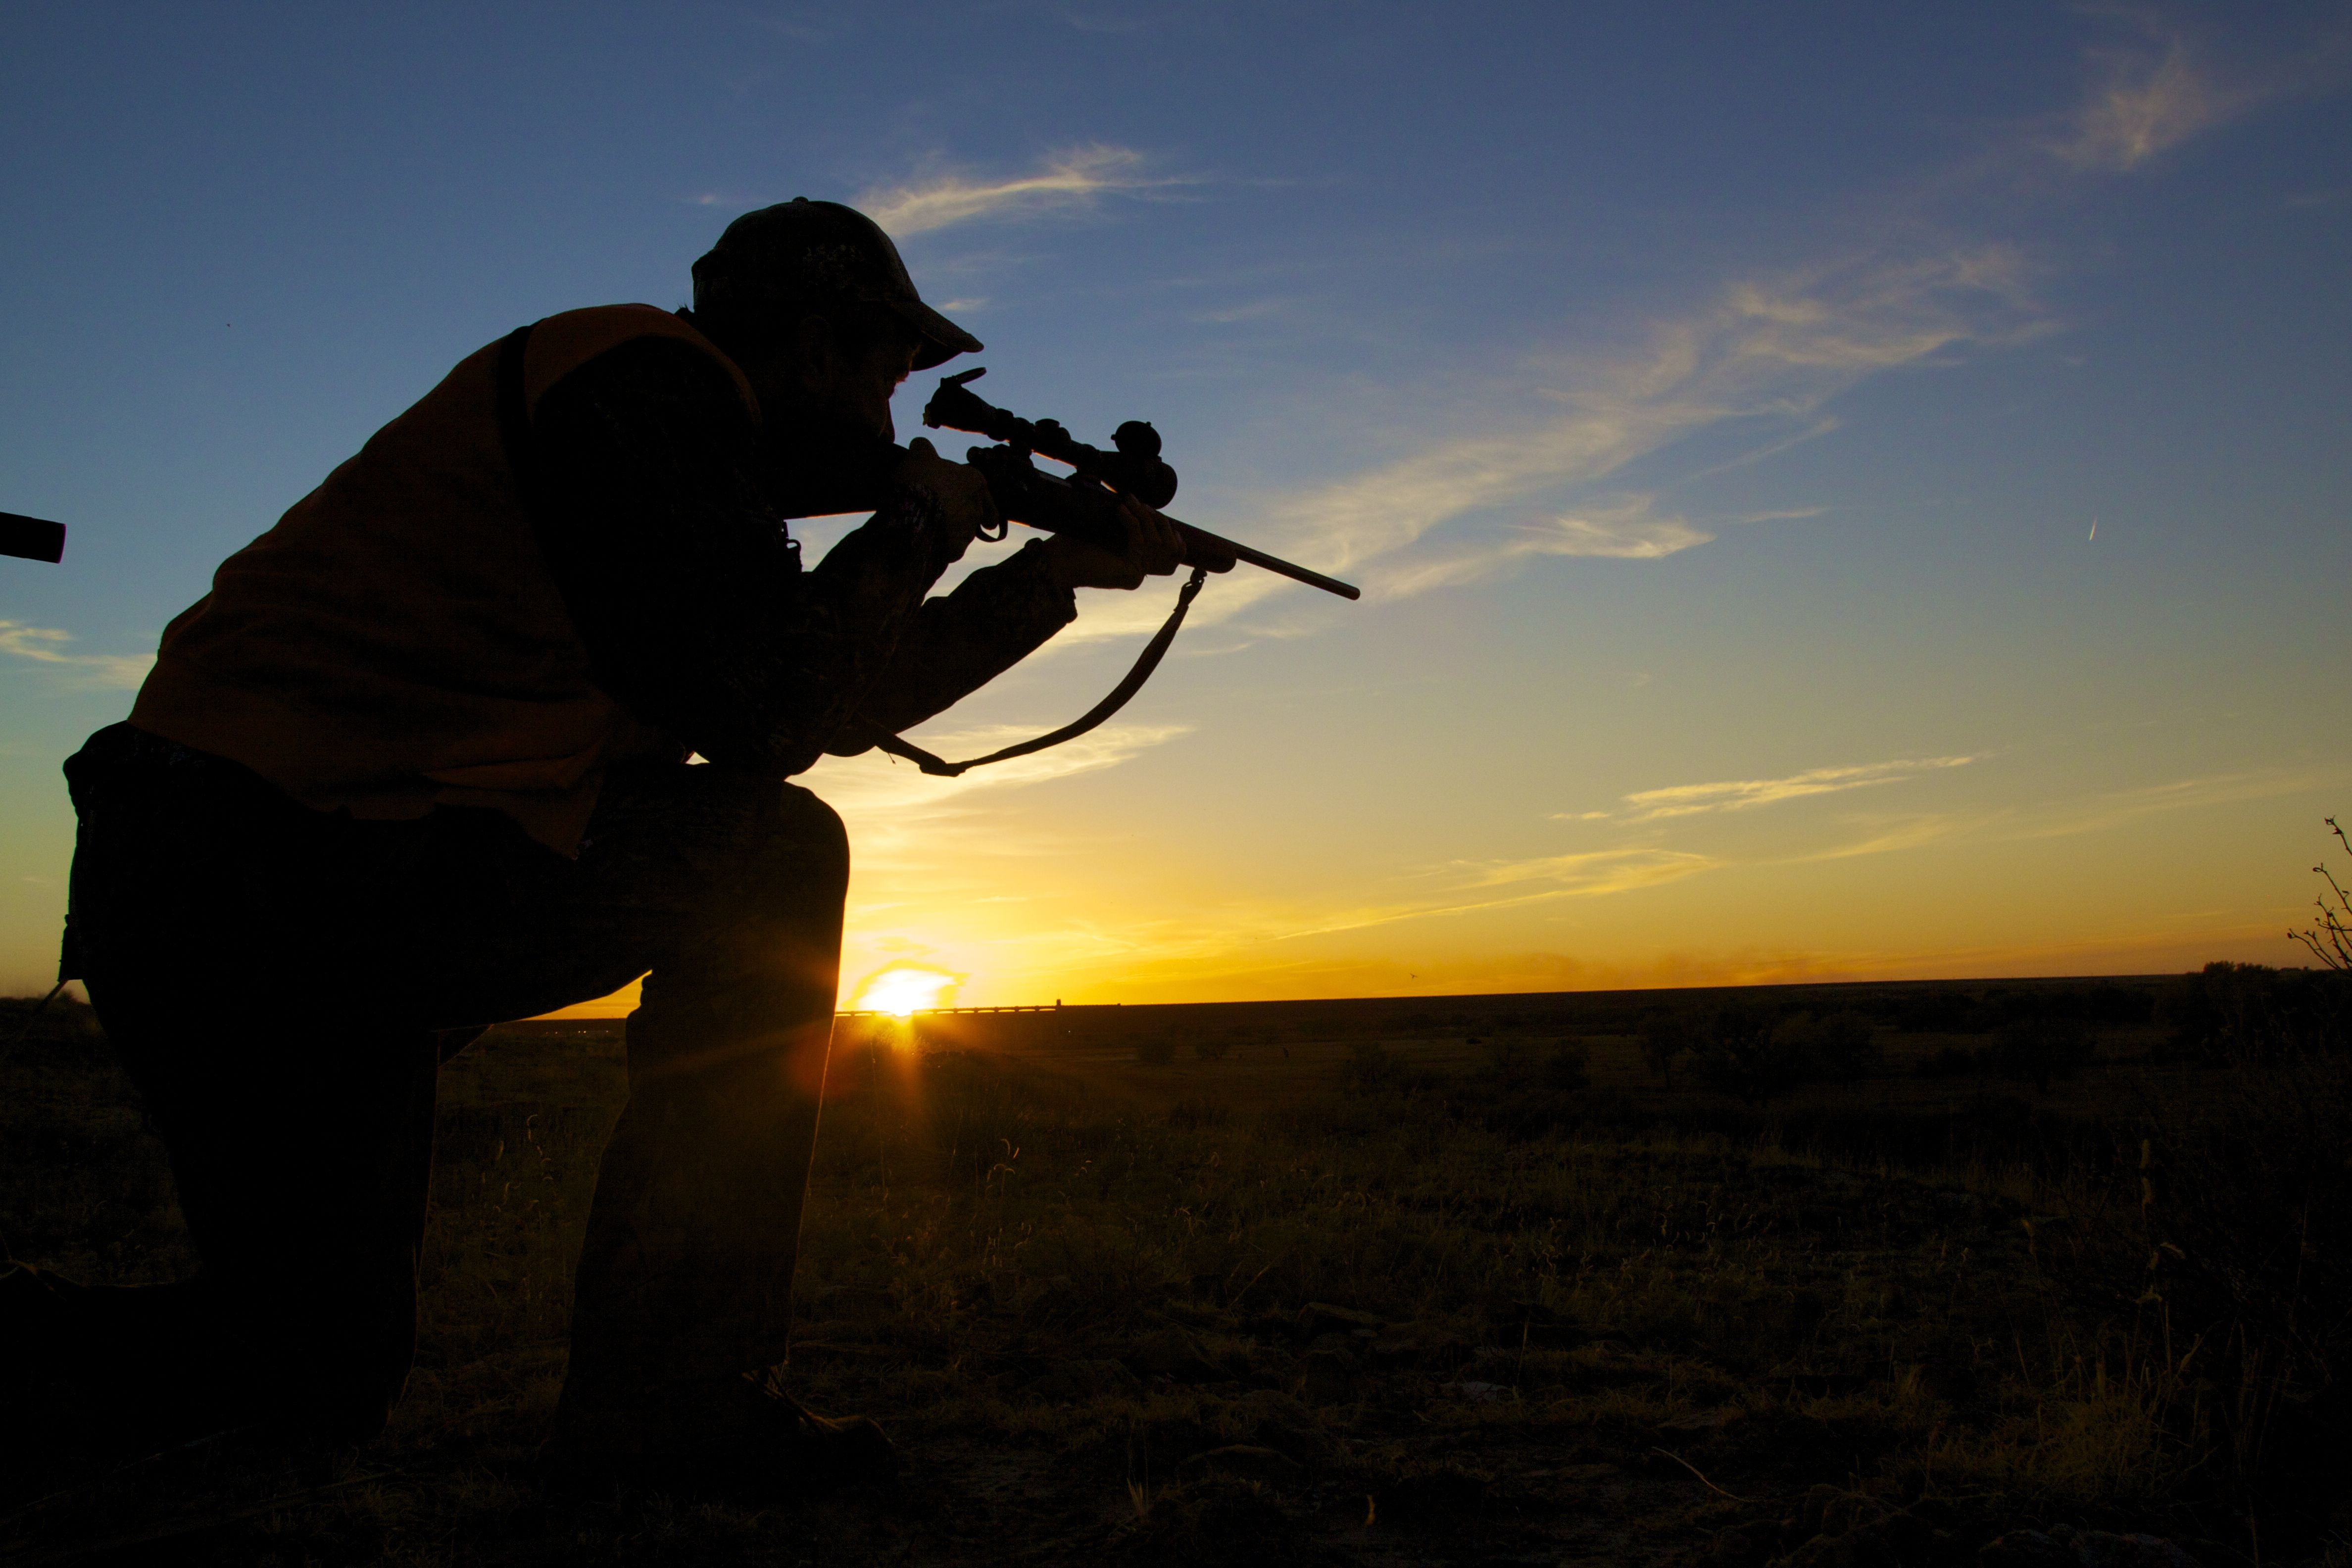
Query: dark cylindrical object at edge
[32,538]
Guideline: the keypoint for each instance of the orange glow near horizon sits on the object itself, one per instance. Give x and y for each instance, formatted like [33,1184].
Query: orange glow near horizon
[997,904]
[894,988]
[904,989]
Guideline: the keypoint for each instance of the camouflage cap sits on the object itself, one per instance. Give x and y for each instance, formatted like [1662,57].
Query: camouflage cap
[800,254]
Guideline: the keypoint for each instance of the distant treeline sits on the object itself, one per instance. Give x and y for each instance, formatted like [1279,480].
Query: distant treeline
[1760,1043]
[1997,1007]
[1953,1009]
[2247,1013]
[1752,1042]
[2227,1013]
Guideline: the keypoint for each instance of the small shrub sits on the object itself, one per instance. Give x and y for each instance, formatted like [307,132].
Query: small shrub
[1743,1052]
[1847,1047]
[1371,1066]
[2040,1050]
[1940,1012]
[1211,1047]
[1797,1042]
[1569,1068]
[2244,1013]
[1954,1061]
[1666,1036]
[1156,1052]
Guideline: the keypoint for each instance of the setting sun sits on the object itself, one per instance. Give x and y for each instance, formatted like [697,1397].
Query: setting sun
[903,989]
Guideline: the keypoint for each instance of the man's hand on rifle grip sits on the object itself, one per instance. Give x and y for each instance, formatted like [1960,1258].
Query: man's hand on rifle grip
[1150,547]
[966,507]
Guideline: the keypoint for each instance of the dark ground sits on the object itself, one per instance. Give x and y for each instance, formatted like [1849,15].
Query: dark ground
[1420,1282]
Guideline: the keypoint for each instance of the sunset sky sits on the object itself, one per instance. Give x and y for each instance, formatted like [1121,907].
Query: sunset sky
[1840,491]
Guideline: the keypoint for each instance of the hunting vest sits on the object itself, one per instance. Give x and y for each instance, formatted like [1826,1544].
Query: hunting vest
[397,641]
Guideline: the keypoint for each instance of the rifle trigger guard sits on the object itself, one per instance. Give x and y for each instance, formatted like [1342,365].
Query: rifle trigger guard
[994,534]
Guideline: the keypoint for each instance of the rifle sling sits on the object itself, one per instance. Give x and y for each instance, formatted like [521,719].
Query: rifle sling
[1145,663]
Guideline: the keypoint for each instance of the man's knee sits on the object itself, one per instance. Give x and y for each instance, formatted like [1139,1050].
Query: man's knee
[811,842]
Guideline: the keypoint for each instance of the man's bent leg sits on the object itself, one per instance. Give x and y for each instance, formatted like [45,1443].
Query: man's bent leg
[684,1285]
[685,1280]
[727,887]
[301,1159]
[235,945]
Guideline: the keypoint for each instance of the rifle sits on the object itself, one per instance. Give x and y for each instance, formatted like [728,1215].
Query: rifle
[1025,495]
[1086,503]
[31,538]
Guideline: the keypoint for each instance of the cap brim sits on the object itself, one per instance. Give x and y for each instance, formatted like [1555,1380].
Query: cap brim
[942,339]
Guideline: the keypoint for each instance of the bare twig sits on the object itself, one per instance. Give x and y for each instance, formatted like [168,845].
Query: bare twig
[187,1525]
[115,1473]
[33,1017]
[2330,938]
[1709,1485]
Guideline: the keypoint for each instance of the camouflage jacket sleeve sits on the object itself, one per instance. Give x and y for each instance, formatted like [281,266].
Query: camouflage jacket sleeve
[959,642]
[658,524]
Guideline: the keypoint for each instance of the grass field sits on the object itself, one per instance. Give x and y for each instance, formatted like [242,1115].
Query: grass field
[1374,1283]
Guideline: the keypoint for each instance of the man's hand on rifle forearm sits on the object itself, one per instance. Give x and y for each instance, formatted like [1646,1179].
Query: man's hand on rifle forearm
[1150,547]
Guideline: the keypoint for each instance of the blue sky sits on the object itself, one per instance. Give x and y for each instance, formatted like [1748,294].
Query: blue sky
[1714,403]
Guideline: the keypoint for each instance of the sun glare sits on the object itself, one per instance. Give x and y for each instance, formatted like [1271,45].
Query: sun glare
[902,989]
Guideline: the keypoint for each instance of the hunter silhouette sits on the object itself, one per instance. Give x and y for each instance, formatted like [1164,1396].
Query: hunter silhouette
[418,763]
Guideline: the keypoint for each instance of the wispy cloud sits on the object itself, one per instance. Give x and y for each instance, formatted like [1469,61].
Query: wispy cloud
[927,850]
[1474,889]
[1068,181]
[1626,529]
[806,23]
[1593,876]
[2144,102]
[2062,818]
[1254,310]
[1892,836]
[1595,871]
[1743,795]
[1763,353]
[2119,808]
[1769,351]
[45,645]
[2164,87]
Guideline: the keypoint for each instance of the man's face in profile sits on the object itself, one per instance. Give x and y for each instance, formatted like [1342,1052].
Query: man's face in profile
[866,377]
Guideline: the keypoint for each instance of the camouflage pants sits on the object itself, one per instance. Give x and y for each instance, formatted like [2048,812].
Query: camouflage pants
[283,984]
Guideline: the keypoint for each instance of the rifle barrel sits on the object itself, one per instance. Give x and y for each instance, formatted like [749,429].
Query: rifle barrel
[1277,564]
[1014,480]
